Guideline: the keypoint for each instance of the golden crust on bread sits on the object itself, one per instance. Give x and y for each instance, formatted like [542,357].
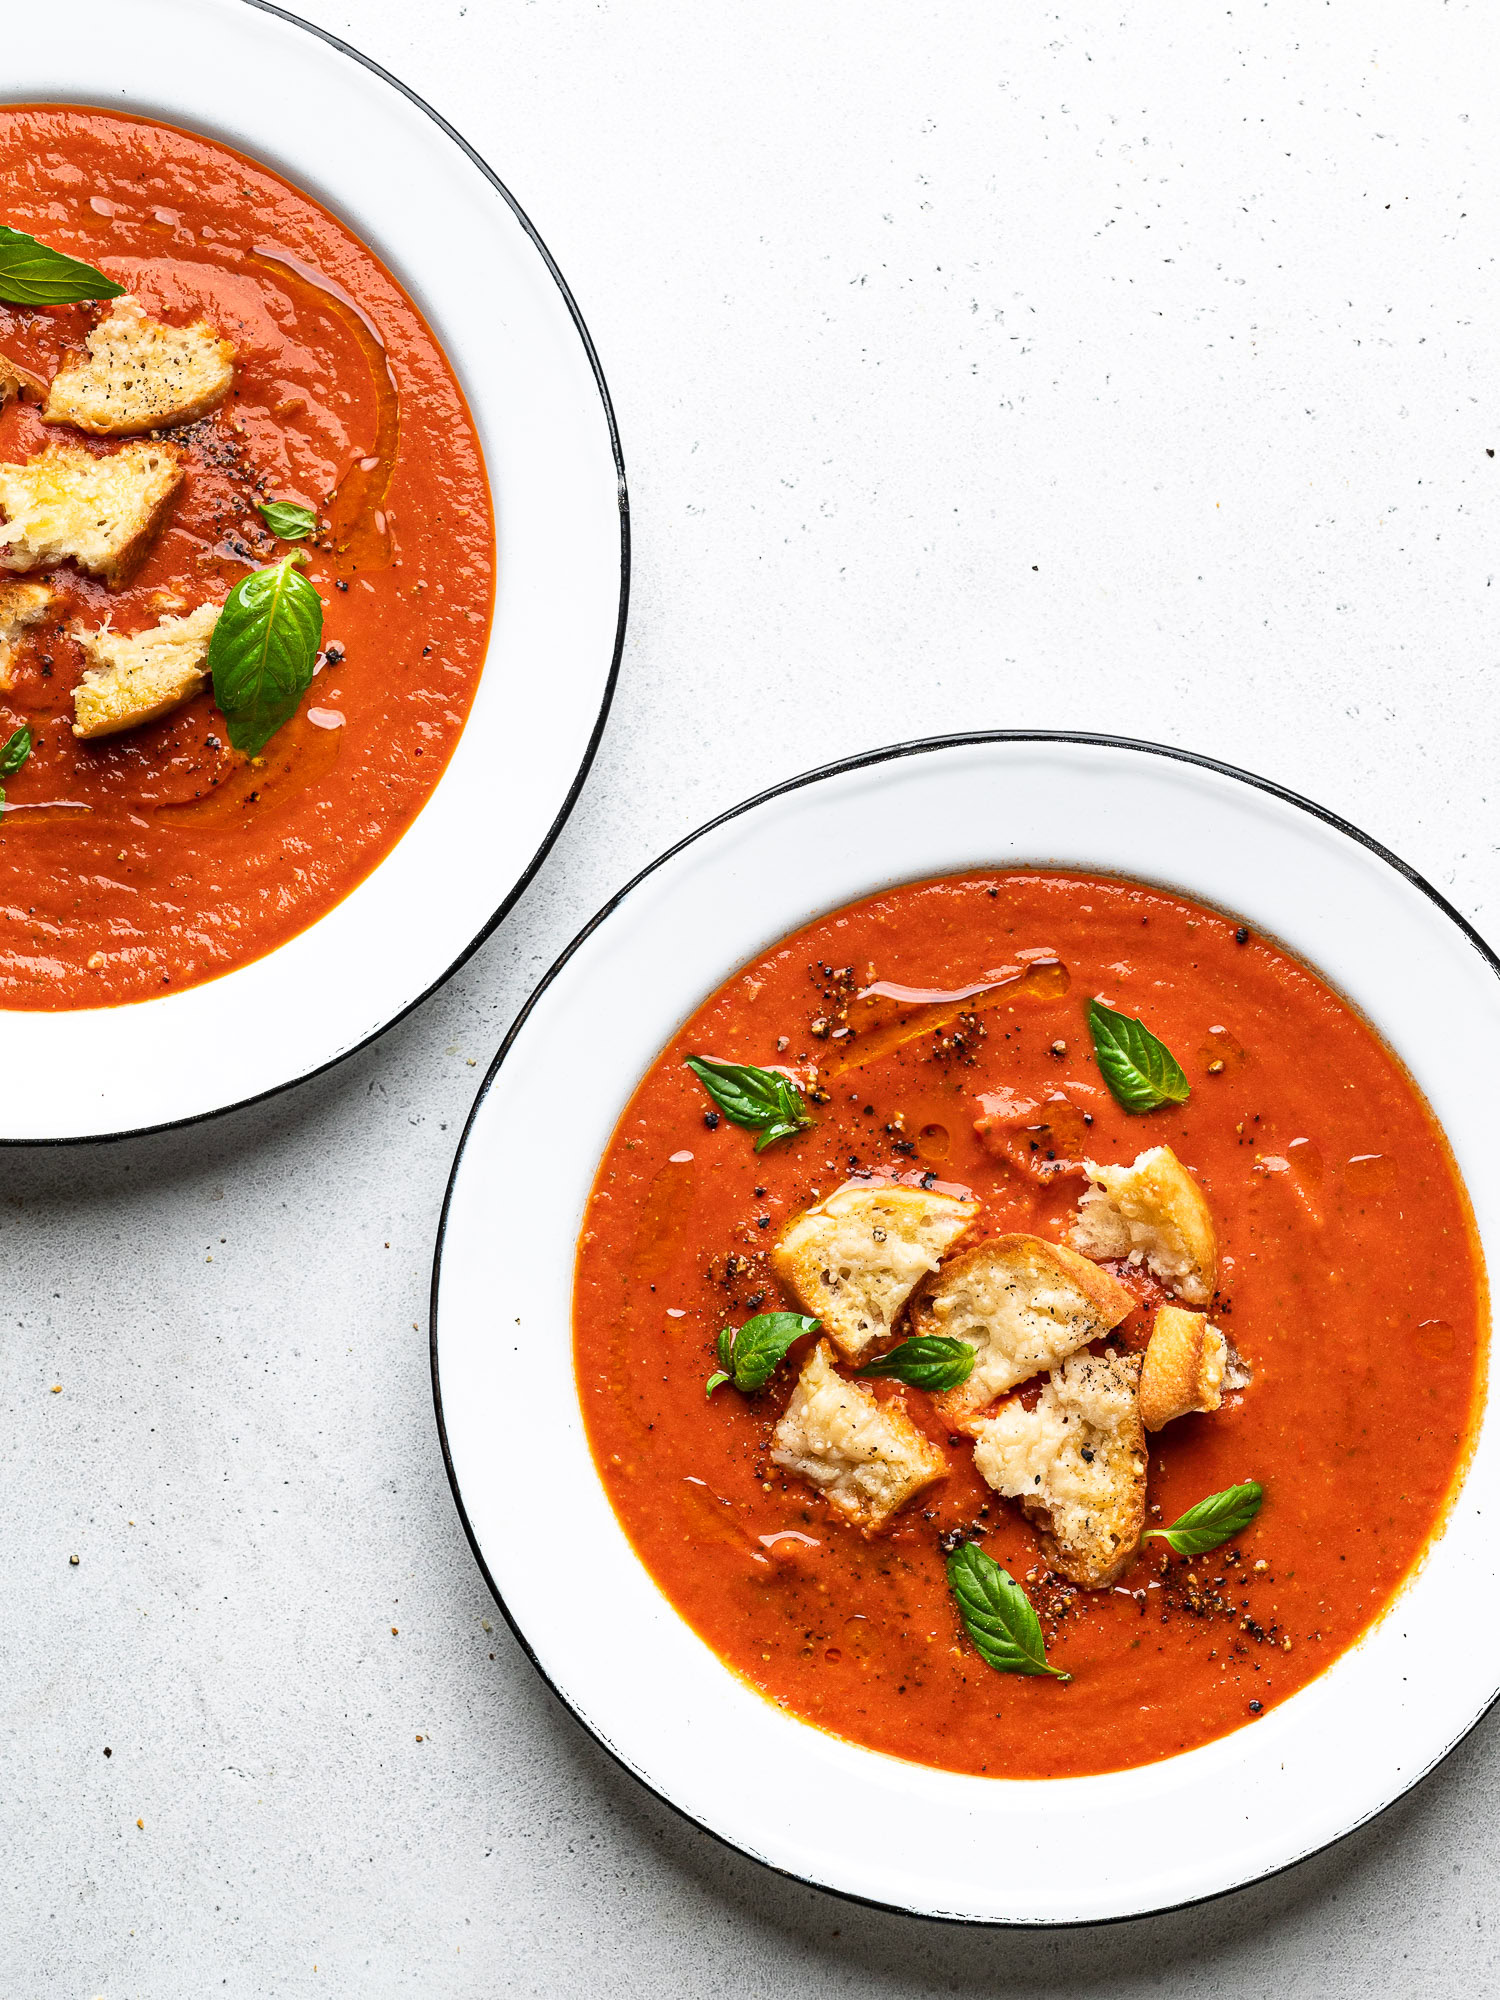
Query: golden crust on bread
[854,1258]
[134,680]
[1023,1304]
[139,374]
[100,512]
[866,1457]
[1077,1464]
[1151,1212]
[1183,1367]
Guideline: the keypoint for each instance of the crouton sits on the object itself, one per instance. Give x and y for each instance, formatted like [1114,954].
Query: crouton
[101,512]
[22,605]
[1023,1305]
[1188,1365]
[16,381]
[1077,1464]
[140,375]
[866,1458]
[131,681]
[1183,1367]
[853,1259]
[1151,1212]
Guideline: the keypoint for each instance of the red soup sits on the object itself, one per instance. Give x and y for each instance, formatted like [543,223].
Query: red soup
[939,1039]
[159,855]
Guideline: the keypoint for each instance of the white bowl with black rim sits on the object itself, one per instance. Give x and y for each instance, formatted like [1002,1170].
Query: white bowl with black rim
[937,1843]
[303,104]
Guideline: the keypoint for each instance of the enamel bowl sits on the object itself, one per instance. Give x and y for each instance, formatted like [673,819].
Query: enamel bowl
[823,1810]
[355,140]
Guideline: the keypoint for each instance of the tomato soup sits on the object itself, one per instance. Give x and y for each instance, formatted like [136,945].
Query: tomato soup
[1349,1280]
[153,859]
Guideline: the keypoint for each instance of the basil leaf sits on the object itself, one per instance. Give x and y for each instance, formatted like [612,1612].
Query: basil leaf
[287,521]
[997,1615]
[927,1361]
[1213,1520]
[17,749]
[751,1357]
[32,274]
[1142,1073]
[725,1370]
[762,1100]
[263,651]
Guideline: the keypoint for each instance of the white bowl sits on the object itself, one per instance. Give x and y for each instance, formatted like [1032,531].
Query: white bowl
[851,1819]
[354,139]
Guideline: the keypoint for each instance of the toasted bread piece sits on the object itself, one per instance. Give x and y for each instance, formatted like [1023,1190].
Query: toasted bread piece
[22,605]
[1151,1212]
[140,375]
[866,1458]
[1023,1305]
[1183,1367]
[131,681]
[854,1258]
[16,381]
[1077,1464]
[100,512]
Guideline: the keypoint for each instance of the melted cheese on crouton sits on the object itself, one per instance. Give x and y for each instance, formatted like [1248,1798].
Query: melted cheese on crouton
[1151,1212]
[1077,1464]
[140,375]
[1183,1367]
[1023,1305]
[854,1259]
[866,1458]
[22,605]
[134,680]
[100,512]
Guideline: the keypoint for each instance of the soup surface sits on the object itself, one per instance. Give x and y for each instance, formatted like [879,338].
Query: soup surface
[1349,1280]
[160,857]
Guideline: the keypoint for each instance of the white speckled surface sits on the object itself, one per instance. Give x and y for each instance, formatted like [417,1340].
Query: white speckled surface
[975,368]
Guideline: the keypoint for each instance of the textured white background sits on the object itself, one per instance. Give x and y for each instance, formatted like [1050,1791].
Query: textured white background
[1123,368]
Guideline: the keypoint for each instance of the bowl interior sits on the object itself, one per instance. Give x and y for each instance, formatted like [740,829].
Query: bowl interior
[451,235]
[1062,1851]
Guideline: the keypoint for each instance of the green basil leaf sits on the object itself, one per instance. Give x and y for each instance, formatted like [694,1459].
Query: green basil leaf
[762,1100]
[783,1129]
[1142,1073]
[997,1615]
[1213,1520]
[287,521]
[927,1361]
[725,1371]
[32,274]
[751,1357]
[263,651]
[15,752]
